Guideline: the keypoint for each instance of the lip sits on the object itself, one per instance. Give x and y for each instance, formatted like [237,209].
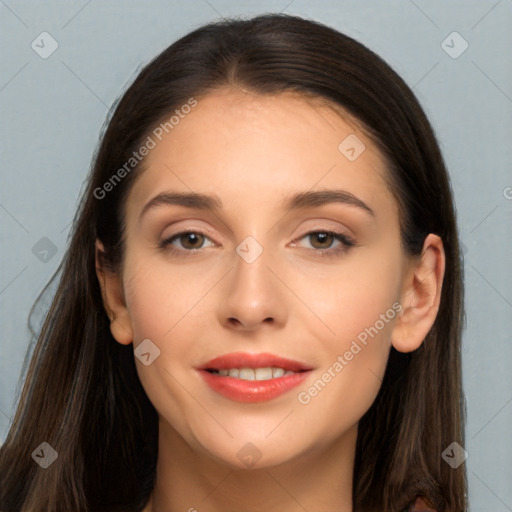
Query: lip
[253,391]
[249,360]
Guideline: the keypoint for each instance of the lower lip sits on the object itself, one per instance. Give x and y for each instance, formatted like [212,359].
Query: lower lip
[242,390]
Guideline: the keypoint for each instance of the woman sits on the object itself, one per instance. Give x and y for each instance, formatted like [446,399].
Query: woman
[261,304]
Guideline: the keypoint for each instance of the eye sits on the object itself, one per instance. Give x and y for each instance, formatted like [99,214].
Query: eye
[322,241]
[188,241]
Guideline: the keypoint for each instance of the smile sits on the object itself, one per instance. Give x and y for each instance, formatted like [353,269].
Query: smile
[247,377]
[252,373]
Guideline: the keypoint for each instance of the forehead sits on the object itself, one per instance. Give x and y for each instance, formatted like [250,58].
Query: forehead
[253,149]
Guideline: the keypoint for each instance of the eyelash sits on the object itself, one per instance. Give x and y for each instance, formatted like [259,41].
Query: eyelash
[345,245]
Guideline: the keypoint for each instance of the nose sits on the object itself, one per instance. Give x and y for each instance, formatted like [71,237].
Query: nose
[252,296]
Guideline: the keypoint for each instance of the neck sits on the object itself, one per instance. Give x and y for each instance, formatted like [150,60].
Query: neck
[196,482]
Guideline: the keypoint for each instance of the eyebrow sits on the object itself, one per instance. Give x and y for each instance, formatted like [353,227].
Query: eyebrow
[299,201]
[321,197]
[186,199]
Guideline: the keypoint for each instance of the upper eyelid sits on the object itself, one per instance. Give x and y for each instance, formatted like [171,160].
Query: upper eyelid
[198,230]
[332,225]
[330,228]
[186,232]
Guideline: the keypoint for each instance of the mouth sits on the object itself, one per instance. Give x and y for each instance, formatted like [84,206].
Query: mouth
[246,377]
[266,373]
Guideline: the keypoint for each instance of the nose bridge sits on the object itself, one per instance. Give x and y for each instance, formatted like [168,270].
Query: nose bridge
[253,295]
[251,274]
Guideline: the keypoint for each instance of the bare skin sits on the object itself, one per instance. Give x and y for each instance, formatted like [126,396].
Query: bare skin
[306,297]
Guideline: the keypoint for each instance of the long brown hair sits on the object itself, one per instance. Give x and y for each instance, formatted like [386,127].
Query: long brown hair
[82,394]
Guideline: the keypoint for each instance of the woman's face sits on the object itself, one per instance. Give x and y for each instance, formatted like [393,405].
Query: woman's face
[257,270]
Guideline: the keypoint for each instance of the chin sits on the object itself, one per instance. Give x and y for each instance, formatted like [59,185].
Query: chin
[252,455]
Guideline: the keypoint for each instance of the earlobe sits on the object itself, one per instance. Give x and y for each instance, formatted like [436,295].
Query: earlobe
[421,297]
[113,299]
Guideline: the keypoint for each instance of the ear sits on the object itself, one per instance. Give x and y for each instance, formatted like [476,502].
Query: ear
[113,299]
[421,296]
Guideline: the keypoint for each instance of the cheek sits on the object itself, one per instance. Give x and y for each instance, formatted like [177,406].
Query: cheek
[358,303]
[354,294]
[162,297]
[165,307]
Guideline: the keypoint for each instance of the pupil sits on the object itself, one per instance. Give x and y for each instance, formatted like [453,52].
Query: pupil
[190,238]
[323,238]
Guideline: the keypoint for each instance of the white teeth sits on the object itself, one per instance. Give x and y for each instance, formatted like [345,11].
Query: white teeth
[254,374]
[246,374]
[263,373]
[277,372]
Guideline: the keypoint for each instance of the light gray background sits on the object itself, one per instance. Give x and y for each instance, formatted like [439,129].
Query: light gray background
[52,110]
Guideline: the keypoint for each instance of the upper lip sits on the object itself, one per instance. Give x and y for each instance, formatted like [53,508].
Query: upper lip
[251,360]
